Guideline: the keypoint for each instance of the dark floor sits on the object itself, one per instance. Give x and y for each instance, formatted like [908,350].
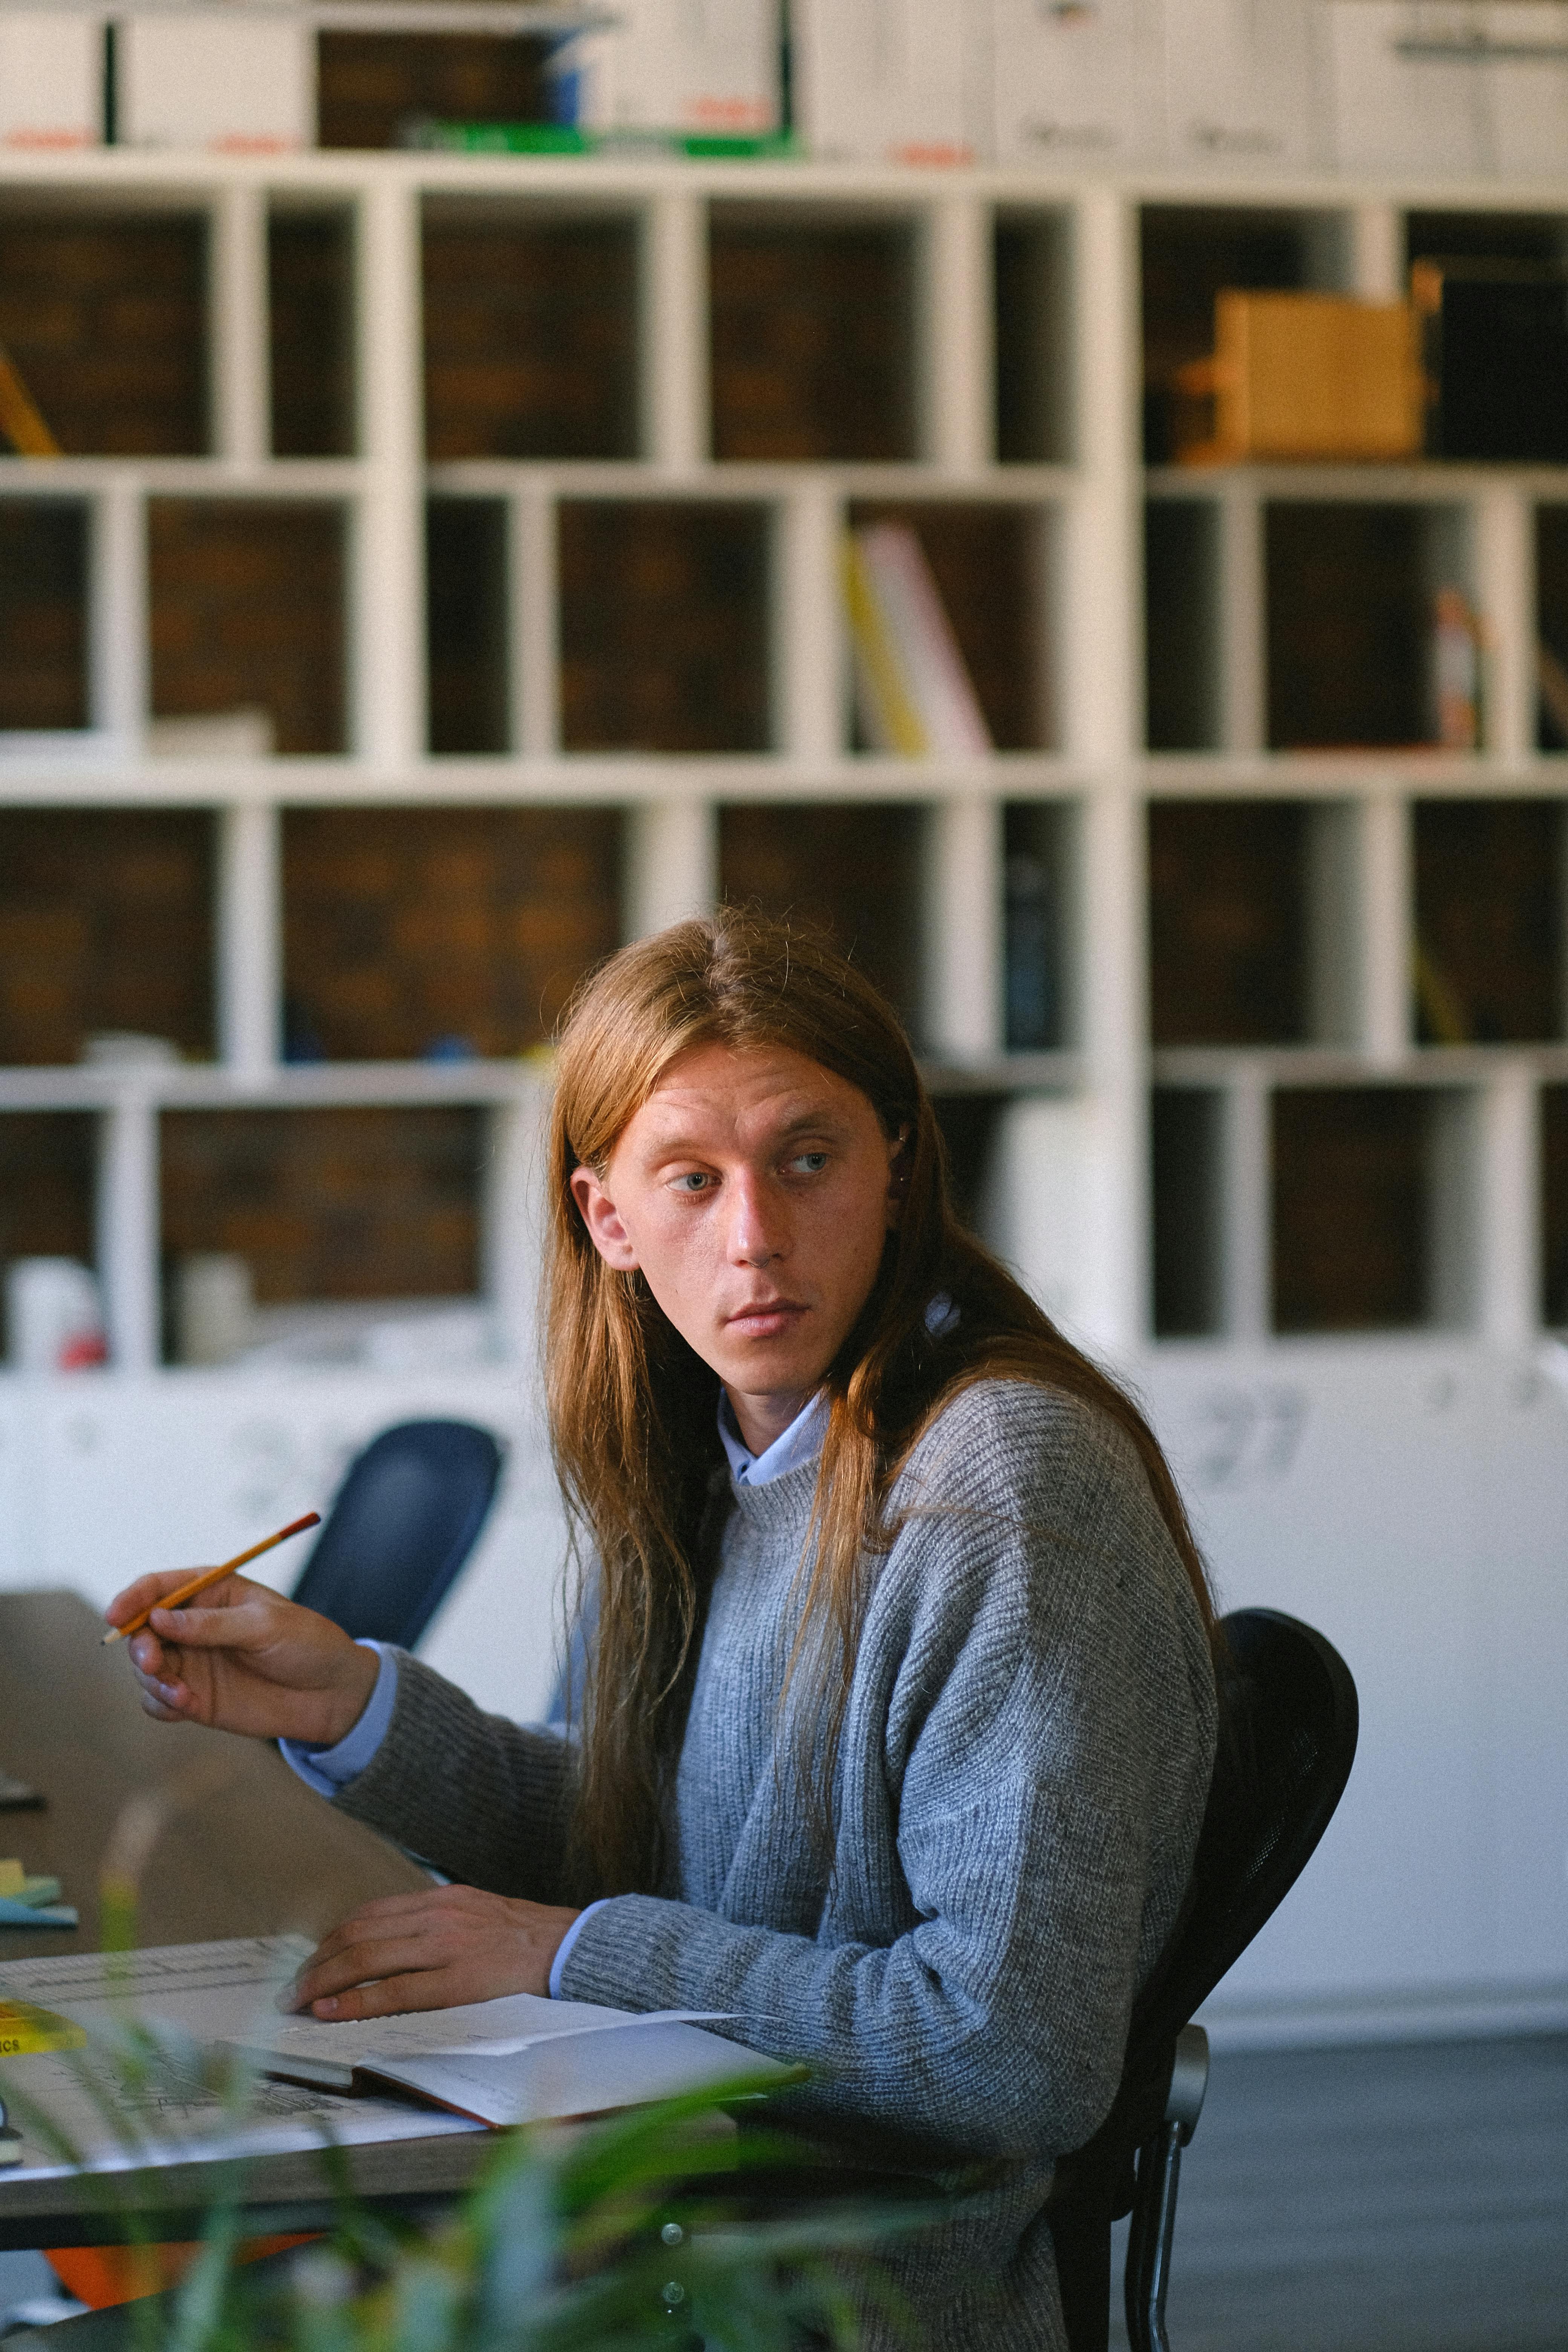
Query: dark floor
[1404,2199]
[1407,2198]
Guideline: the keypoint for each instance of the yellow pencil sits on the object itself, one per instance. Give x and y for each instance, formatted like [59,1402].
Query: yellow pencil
[183,1592]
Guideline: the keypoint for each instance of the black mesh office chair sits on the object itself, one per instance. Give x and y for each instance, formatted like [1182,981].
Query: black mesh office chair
[1288,1739]
[405,1518]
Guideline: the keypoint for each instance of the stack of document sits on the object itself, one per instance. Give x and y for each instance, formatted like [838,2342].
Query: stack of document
[511,2061]
[31,1902]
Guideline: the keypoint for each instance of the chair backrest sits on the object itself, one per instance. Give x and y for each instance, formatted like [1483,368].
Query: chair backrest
[405,1518]
[1289,1721]
[1288,1738]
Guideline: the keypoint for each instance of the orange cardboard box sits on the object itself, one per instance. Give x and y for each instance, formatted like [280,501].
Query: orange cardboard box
[1309,375]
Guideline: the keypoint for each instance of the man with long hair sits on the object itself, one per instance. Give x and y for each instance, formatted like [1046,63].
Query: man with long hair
[899,1713]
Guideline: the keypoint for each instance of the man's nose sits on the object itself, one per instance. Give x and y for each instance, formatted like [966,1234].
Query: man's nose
[759,1224]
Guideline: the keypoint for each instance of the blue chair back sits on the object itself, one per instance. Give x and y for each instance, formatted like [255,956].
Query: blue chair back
[405,1518]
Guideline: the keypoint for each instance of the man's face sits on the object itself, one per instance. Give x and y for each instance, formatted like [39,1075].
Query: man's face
[754,1190]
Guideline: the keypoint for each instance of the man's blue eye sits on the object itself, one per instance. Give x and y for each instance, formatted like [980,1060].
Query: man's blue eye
[814,1160]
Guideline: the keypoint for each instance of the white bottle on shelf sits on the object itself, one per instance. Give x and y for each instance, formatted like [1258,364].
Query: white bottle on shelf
[51,80]
[243,83]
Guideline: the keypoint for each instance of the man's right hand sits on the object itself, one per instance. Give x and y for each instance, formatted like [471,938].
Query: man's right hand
[241,1658]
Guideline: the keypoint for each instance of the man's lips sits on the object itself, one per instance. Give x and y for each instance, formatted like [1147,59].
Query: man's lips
[764,1317]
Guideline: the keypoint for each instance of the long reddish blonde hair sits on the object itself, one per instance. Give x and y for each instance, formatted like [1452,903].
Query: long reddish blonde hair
[633,1409]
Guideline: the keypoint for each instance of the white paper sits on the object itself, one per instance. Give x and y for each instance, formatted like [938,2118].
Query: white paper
[694,66]
[208,1993]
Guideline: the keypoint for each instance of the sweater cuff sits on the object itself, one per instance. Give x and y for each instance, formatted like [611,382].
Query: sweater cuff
[328,1769]
[563,1952]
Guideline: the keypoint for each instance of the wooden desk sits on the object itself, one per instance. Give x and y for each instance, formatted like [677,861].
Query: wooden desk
[242,1848]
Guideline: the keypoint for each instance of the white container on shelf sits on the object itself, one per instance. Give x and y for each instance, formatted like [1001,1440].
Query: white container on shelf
[1079,86]
[692,65]
[246,84]
[51,80]
[215,1307]
[1240,84]
[891,81]
[54,1315]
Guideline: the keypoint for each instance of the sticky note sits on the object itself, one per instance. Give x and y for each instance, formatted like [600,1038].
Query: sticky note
[24,2030]
[13,1878]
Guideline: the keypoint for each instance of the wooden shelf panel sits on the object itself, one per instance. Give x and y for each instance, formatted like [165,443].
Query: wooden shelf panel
[408,928]
[1228,950]
[812,353]
[530,335]
[1353,1213]
[247,608]
[105,314]
[1490,886]
[44,680]
[106,923]
[366,1202]
[853,873]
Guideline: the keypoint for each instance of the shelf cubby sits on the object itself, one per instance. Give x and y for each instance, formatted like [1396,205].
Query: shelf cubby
[1553,1307]
[852,872]
[531,332]
[812,345]
[44,664]
[1185,1137]
[1189,252]
[1485,236]
[467,611]
[1491,883]
[348,1202]
[458,929]
[1552,618]
[1368,1209]
[48,1173]
[1038,891]
[1032,299]
[310,326]
[1349,591]
[105,924]
[1229,952]
[372,86]
[247,600]
[1182,604]
[105,315]
[664,626]
[992,565]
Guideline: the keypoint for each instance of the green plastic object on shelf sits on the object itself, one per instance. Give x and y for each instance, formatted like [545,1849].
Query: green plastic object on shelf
[567,138]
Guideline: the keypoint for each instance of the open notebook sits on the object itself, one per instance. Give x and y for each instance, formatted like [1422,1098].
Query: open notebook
[516,2060]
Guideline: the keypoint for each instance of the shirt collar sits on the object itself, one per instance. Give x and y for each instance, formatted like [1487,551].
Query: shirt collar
[801,1442]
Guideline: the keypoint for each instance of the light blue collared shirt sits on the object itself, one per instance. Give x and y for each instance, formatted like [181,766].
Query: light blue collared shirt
[328,1769]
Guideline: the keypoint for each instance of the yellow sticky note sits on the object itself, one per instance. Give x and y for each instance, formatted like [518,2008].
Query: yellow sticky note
[25,2031]
[13,1878]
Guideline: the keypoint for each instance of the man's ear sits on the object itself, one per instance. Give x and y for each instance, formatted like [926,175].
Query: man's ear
[603,1220]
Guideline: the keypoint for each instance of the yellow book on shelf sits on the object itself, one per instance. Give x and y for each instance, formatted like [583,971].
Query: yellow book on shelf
[887,705]
[19,419]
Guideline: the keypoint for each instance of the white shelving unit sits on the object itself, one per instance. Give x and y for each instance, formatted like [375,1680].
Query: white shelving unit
[1070,1189]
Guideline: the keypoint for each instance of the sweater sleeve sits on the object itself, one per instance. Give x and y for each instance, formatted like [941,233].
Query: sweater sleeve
[1047,1745]
[482,1799]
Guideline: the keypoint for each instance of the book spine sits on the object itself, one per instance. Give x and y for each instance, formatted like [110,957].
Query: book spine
[938,681]
[883,697]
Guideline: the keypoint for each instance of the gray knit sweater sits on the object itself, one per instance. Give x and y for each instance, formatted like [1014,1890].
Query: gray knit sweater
[1026,1755]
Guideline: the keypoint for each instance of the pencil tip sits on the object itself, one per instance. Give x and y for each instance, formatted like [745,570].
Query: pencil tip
[113,1635]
